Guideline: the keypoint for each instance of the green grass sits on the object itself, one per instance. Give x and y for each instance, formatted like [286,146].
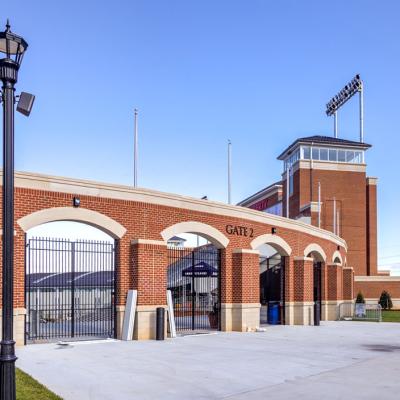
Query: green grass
[391,316]
[30,389]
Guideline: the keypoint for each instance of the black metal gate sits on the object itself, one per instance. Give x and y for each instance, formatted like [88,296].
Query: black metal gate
[318,287]
[69,289]
[194,280]
[272,286]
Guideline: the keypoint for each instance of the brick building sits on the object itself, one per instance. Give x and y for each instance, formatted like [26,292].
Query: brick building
[324,184]
[222,289]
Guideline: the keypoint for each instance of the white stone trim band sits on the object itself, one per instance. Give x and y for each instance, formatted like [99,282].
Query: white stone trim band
[245,251]
[94,218]
[119,192]
[148,241]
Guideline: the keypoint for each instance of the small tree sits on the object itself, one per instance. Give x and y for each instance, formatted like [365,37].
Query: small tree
[386,300]
[360,298]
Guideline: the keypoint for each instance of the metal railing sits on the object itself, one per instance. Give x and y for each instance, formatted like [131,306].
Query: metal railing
[193,279]
[69,289]
[360,312]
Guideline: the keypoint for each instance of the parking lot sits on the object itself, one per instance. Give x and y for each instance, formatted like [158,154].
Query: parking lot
[337,360]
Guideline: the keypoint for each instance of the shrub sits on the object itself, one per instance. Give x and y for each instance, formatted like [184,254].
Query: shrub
[386,300]
[360,298]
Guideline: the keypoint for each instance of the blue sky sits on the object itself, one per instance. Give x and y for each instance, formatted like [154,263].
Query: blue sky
[200,72]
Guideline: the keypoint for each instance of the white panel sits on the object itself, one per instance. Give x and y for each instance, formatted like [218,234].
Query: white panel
[171,317]
[129,317]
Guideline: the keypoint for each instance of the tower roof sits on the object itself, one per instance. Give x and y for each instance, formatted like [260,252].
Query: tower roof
[324,141]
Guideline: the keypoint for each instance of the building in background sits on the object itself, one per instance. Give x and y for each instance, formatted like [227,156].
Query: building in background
[324,182]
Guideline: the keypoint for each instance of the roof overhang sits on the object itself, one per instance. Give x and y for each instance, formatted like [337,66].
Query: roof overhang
[322,143]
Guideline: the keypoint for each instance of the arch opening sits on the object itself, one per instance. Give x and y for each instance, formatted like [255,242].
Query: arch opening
[273,253]
[193,277]
[316,252]
[337,257]
[208,232]
[89,217]
[69,281]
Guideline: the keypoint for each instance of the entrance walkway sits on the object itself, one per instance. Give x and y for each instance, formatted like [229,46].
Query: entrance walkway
[338,360]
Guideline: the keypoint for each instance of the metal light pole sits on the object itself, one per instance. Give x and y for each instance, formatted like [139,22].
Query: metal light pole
[135,155]
[335,124]
[13,47]
[229,171]
[361,93]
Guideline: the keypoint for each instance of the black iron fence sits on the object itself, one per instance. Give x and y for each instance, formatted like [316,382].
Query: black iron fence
[194,280]
[69,289]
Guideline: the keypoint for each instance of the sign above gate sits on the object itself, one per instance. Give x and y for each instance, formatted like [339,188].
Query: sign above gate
[239,230]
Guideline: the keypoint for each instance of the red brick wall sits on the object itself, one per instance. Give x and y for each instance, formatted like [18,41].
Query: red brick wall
[303,280]
[246,278]
[146,221]
[372,256]
[349,189]
[150,273]
[348,284]
[335,279]
[374,289]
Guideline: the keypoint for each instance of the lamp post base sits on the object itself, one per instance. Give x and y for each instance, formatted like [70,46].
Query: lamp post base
[7,369]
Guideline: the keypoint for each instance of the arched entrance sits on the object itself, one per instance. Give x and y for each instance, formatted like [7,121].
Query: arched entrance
[273,251]
[193,275]
[70,280]
[317,253]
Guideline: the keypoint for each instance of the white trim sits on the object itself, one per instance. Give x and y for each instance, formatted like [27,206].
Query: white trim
[334,265]
[372,181]
[300,258]
[148,241]
[314,248]
[245,251]
[80,214]
[212,234]
[328,166]
[377,279]
[273,240]
[338,255]
[126,193]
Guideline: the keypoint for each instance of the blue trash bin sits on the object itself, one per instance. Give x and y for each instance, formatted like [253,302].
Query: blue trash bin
[273,313]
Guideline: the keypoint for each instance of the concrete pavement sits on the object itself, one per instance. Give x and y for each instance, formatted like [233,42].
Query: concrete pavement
[338,360]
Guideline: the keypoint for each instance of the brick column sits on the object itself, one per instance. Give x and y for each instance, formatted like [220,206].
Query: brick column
[348,284]
[243,313]
[303,304]
[372,254]
[335,291]
[289,290]
[226,289]
[149,262]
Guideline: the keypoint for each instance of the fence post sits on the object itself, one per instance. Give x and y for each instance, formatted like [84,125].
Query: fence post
[73,289]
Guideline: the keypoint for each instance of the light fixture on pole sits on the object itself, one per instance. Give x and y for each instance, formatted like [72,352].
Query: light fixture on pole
[332,107]
[12,48]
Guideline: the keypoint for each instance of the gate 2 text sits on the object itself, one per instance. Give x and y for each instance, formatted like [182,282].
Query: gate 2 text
[239,230]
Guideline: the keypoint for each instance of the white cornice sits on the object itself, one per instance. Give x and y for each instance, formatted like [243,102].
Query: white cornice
[377,278]
[127,193]
[331,166]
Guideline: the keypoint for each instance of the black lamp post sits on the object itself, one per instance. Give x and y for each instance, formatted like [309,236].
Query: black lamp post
[13,48]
